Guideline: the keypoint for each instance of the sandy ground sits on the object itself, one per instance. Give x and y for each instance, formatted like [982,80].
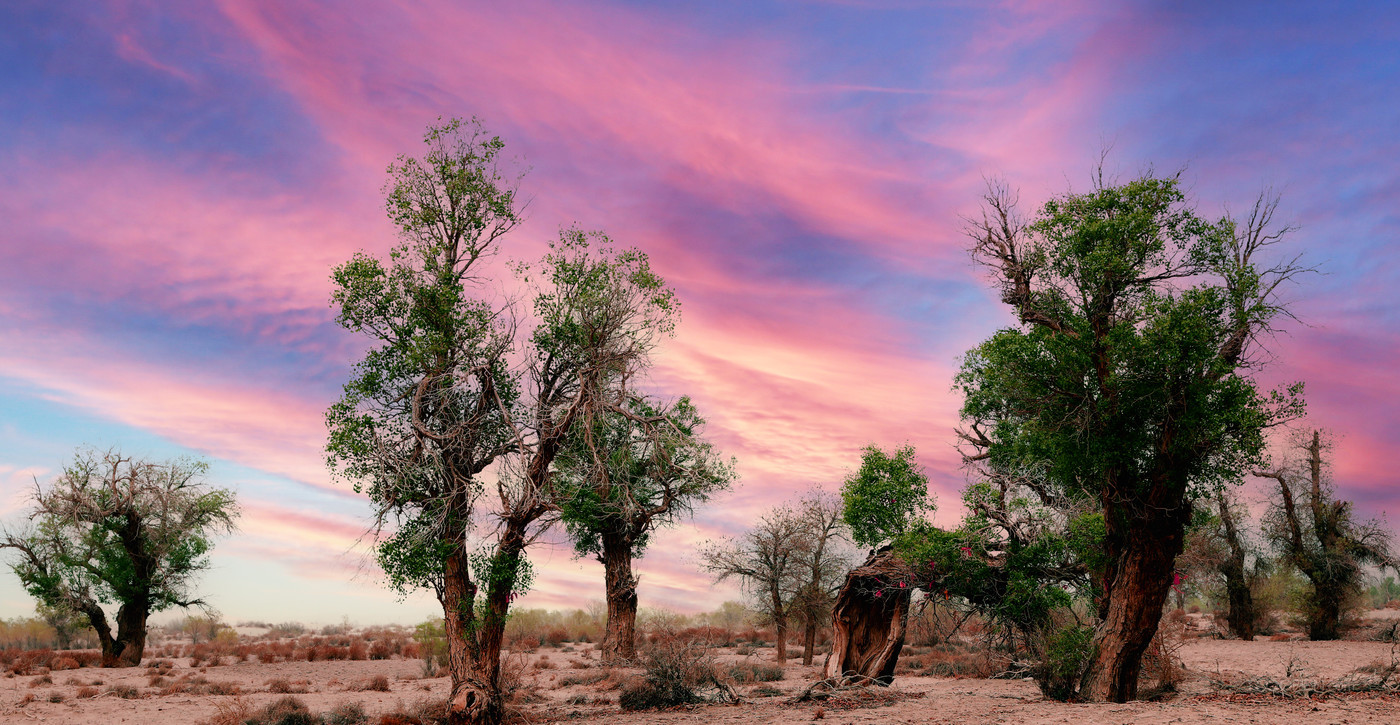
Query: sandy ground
[927,699]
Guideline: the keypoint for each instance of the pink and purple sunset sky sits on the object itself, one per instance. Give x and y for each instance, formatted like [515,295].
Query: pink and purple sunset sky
[179,178]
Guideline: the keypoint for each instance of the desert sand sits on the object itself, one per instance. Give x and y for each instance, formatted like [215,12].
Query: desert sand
[550,671]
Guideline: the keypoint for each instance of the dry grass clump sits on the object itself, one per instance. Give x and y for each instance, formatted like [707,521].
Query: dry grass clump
[604,679]
[42,661]
[192,684]
[41,681]
[286,711]
[85,693]
[125,692]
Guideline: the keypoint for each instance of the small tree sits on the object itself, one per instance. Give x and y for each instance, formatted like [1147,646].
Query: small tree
[68,625]
[767,560]
[1216,549]
[114,529]
[622,478]
[822,561]
[1323,540]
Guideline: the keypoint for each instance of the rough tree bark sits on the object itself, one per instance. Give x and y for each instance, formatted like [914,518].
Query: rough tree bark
[780,620]
[809,640]
[620,637]
[869,620]
[1142,551]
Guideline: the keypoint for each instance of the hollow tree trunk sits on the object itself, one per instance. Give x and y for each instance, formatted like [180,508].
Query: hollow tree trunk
[869,620]
[809,640]
[620,637]
[1143,553]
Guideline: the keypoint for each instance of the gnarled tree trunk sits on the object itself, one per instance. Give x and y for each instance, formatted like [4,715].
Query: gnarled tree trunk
[1240,619]
[1143,553]
[869,620]
[469,697]
[620,637]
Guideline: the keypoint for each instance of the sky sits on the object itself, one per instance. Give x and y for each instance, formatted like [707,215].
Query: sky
[178,179]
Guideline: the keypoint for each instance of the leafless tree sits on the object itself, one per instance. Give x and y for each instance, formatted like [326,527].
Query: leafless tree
[824,562]
[768,561]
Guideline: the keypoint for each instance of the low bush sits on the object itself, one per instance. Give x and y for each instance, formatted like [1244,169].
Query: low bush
[748,672]
[677,672]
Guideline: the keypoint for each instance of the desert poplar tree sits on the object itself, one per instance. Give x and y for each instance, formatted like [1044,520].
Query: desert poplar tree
[122,530]
[1130,373]
[1317,532]
[452,420]
[620,480]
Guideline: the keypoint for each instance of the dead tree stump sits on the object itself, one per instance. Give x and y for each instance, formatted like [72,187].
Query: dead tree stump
[869,620]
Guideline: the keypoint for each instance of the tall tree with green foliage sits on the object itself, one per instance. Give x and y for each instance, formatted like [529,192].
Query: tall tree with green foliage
[112,529]
[456,383]
[1129,376]
[1316,532]
[621,479]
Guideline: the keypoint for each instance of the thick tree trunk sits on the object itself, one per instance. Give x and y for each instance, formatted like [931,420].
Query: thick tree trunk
[1324,617]
[1240,618]
[130,644]
[809,640]
[620,637]
[781,624]
[469,696]
[869,620]
[98,619]
[1139,580]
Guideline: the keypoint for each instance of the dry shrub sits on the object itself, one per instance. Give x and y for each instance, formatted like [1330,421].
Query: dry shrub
[346,713]
[750,672]
[284,711]
[125,692]
[377,683]
[358,650]
[677,672]
[954,658]
[87,692]
[41,681]
[1161,663]
[56,697]
[230,712]
[65,662]
[281,686]
[555,636]
[422,712]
